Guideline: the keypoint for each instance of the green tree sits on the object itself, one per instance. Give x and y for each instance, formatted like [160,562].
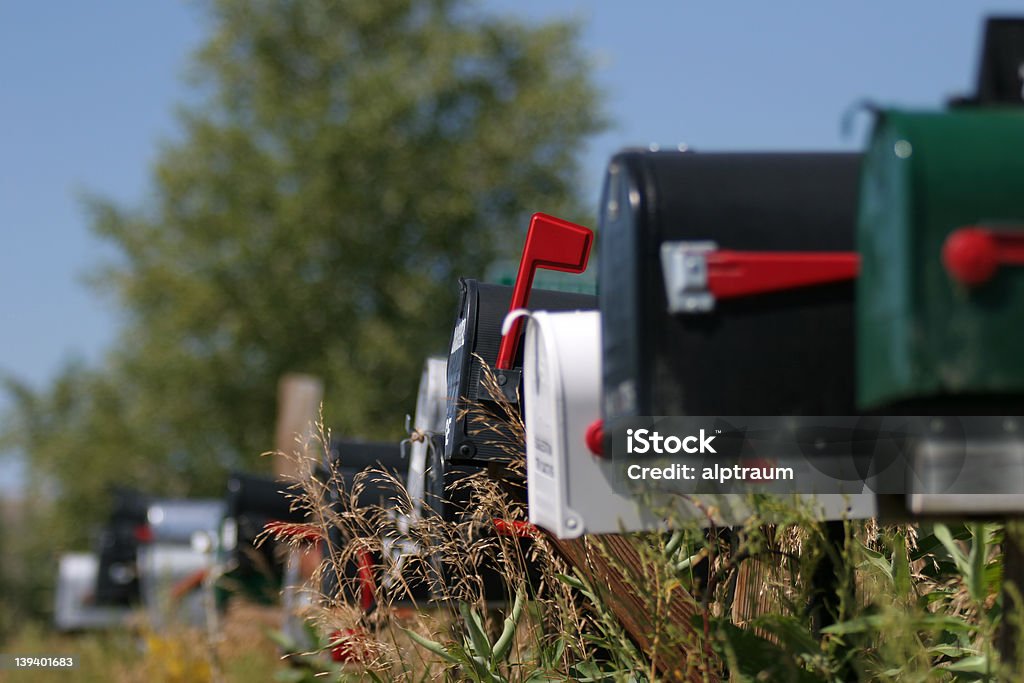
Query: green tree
[346,162]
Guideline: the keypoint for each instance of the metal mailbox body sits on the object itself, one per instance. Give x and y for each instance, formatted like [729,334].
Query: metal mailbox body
[569,489]
[429,422]
[173,555]
[784,353]
[475,340]
[75,607]
[252,502]
[117,581]
[347,462]
[922,335]
[573,492]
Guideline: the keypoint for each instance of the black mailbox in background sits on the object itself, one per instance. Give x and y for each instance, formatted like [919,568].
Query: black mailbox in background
[117,580]
[1000,78]
[252,502]
[477,335]
[477,338]
[351,454]
[670,346]
[345,460]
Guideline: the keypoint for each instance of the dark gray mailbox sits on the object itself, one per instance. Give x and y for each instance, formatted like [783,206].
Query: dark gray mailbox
[726,287]
[253,501]
[360,578]
[476,339]
[667,220]
[117,579]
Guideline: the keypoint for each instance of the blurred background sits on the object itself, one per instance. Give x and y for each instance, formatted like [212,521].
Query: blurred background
[196,198]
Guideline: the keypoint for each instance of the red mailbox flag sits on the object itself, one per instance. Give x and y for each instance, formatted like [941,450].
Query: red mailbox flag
[551,243]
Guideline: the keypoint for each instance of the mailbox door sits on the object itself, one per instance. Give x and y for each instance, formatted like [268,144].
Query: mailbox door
[570,490]
[75,608]
[117,581]
[254,569]
[922,335]
[783,353]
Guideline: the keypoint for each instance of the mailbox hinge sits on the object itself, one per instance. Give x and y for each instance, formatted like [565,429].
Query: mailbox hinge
[508,381]
[697,274]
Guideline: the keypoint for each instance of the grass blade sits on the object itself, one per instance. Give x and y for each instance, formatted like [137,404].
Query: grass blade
[432,646]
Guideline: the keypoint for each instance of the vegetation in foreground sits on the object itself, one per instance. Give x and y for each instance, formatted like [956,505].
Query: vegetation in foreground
[916,603]
[782,598]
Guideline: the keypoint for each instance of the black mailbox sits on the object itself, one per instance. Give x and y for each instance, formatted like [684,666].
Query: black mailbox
[1000,77]
[352,454]
[252,502]
[669,346]
[117,580]
[360,578]
[477,337]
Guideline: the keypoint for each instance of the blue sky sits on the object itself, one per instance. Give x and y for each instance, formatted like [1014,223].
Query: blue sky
[88,91]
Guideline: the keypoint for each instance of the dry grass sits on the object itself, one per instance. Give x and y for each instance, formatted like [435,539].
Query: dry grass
[619,606]
[458,557]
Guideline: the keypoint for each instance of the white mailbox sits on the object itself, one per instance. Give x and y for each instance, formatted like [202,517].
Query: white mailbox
[431,407]
[570,490]
[74,599]
[184,534]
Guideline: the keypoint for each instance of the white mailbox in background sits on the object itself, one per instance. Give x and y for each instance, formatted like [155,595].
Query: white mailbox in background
[571,491]
[74,599]
[431,407]
[184,536]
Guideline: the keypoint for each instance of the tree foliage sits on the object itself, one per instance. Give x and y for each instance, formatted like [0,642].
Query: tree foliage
[345,163]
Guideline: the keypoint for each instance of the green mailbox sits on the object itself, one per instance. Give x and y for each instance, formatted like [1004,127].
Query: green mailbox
[940,297]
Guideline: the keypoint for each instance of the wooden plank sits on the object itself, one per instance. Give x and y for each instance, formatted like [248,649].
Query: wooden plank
[611,562]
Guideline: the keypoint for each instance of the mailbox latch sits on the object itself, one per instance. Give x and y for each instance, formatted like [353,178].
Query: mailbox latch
[697,274]
[973,254]
[685,266]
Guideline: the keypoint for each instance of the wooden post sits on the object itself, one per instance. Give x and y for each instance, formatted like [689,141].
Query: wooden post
[1011,632]
[612,562]
[298,408]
